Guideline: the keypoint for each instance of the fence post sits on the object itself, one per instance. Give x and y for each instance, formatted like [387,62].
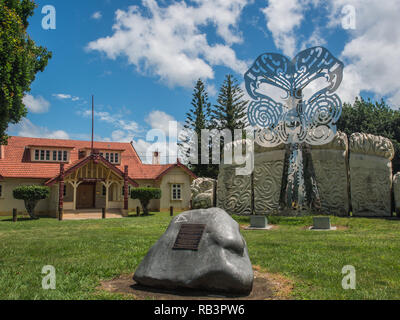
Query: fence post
[171,211]
[138,211]
[103,213]
[15,217]
[60,213]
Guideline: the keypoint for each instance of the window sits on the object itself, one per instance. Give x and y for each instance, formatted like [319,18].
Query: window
[104,191]
[176,192]
[65,191]
[1,190]
[51,155]
[112,157]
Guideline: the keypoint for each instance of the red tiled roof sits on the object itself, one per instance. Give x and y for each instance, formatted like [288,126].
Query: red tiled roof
[14,164]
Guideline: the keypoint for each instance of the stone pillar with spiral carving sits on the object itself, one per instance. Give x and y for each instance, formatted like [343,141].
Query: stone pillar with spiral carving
[371,175]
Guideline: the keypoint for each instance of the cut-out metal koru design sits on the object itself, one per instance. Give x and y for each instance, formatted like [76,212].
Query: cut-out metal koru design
[295,121]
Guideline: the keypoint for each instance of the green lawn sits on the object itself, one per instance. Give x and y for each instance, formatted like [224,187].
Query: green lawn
[86,252]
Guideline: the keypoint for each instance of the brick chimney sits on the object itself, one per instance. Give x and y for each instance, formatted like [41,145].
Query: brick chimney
[1,152]
[156,157]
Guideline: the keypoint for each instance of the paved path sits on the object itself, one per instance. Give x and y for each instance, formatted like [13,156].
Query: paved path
[89,215]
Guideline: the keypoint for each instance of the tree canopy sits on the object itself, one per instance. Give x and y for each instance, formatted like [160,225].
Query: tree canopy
[197,119]
[144,195]
[31,196]
[375,118]
[20,60]
[230,110]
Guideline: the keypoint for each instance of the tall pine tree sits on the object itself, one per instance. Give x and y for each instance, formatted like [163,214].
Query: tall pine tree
[230,111]
[197,119]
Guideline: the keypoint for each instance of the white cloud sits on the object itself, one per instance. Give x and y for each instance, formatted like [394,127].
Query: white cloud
[64,96]
[36,105]
[211,90]
[283,17]
[372,55]
[125,131]
[97,15]
[159,120]
[27,129]
[167,41]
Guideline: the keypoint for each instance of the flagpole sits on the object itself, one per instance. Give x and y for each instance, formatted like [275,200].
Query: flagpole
[92,121]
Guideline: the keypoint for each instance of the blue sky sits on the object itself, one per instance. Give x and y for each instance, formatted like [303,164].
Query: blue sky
[141,62]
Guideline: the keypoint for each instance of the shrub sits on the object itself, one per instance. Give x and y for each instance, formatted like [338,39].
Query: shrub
[31,196]
[145,195]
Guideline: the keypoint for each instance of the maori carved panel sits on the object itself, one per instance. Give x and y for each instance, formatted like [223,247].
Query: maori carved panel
[233,191]
[332,182]
[330,164]
[371,175]
[267,181]
[396,191]
[370,189]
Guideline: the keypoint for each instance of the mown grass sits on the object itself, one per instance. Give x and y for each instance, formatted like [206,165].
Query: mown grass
[86,252]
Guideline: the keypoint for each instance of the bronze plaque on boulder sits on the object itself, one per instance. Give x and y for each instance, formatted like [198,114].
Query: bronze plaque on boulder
[189,237]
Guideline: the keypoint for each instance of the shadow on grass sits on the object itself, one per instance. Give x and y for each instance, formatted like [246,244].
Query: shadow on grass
[182,292]
[141,216]
[19,220]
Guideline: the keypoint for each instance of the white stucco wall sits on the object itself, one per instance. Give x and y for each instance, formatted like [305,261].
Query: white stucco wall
[175,176]
[8,203]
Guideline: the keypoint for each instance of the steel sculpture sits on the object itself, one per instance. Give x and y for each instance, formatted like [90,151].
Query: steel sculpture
[295,122]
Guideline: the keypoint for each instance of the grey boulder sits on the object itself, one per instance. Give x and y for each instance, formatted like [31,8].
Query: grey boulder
[221,264]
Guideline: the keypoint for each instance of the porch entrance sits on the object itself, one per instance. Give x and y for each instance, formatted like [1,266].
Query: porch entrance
[86,196]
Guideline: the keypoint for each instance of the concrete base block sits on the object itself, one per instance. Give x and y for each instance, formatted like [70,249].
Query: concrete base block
[252,228]
[331,229]
[259,222]
[322,223]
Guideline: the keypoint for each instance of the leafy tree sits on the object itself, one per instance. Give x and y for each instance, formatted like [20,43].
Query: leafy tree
[20,60]
[144,195]
[230,110]
[375,118]
[197,119]
[31,196]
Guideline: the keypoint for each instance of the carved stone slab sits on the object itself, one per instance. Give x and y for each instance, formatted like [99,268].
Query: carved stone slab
[396,191]
[370,175]
[234,193]
[330,164]
[267,181]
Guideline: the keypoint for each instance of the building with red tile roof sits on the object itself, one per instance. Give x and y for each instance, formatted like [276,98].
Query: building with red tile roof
[92,178]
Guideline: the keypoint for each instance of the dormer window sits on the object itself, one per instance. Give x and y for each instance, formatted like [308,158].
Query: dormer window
[112,157]
[45,155]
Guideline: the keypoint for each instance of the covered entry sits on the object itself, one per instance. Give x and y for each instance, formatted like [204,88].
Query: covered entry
[93,183]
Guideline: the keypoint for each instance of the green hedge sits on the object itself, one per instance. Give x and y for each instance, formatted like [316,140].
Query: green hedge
[31,195]
[144,195]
